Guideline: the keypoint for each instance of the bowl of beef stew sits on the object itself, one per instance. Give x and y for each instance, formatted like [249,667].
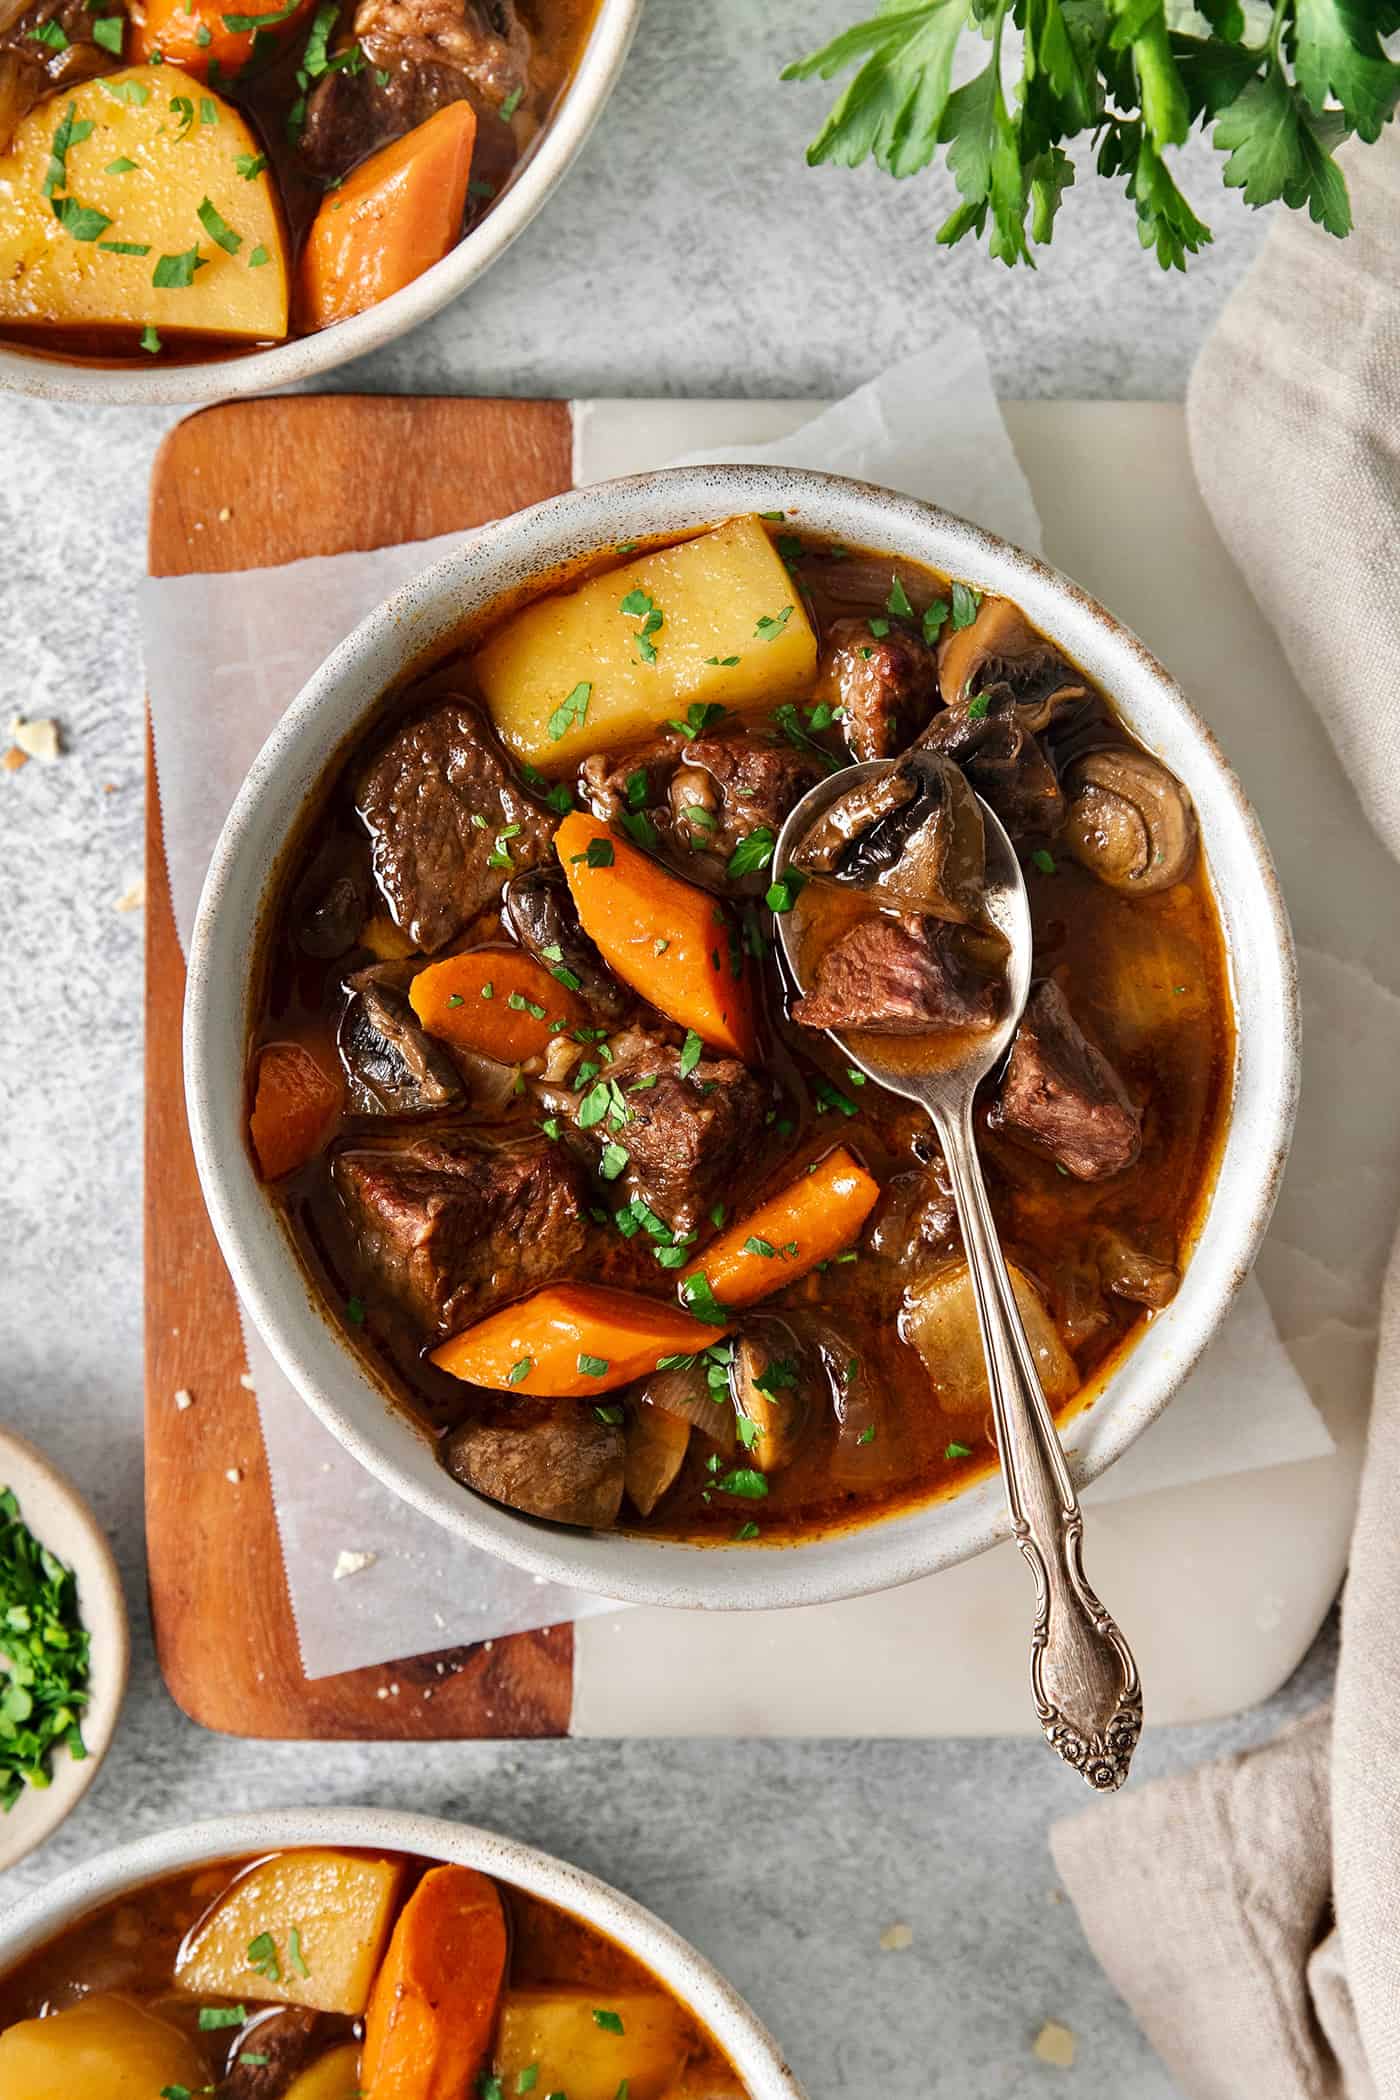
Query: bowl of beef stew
[334,1954]
[522,1155]
[198,201]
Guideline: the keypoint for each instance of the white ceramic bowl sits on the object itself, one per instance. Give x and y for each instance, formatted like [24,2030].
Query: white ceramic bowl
[60,1519]
[304,357]
[420,619]
[738,2031]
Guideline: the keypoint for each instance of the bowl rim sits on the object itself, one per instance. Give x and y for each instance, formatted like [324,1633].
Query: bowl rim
[305,357]
[66,1523]
[403,633]
[751,2049]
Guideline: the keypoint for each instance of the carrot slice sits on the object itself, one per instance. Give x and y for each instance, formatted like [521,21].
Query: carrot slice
[195,34]
[394,217]
[812,1220]
[295,1104]
[432,2011]
[671,942]
[495,1001]
[573,1340]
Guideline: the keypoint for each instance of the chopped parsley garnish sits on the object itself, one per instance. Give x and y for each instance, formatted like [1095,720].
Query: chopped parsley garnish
[218,228]
[787,720]
[692,1049]
[121,166]
[176,272]
[593,1366]
[511,104]
[527,2078]
[294,1953]
[599,854]
[867,1435]
[700,1301]
[213,2017]
[978,707]
[107,32]
[134,92]
[51,33]
[934,617]
[520,1370]
[751,853]
[747,1531]
[639,827]
[771,625]
[745,1481]
[898,600]
[83,221]
[757,1246]
[250,165]
[611,2021]
[355,1311]
[150,340]
[241,24]
[957,1451]
[67,132]
[965,604]
[613,1161]
[699,716]
[831,1097]
[45,1647]
[262,1957]
[1043,860]
[724,663]
[572,711]
[783,894]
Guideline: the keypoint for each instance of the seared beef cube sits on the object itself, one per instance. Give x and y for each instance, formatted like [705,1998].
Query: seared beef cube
[988,737]
[1059,1093]
[691,1139]
[47,47]
[441,805]
[886,684]
[270,2052]
[553,1459]
[450,1233]
[902,976]
[433,52]
[394,1065]
[638,781]
[544,918]
[726,788]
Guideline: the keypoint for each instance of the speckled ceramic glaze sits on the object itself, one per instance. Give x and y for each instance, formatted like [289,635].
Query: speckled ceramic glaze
[749,2047]
[262,371]
[423,616]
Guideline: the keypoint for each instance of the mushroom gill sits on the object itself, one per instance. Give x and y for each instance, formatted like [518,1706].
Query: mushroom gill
[1129,822]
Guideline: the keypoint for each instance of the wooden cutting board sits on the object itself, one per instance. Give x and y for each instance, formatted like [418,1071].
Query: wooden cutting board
[247,485]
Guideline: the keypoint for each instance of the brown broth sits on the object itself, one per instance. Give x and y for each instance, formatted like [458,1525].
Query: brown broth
[1146,975]
[130,1946]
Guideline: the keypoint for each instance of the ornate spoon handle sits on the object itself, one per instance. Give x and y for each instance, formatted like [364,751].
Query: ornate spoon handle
[1083,1676]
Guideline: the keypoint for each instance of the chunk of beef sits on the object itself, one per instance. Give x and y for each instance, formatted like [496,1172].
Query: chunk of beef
[886,685]
[394,1066]
[433,52]
[441,805]
[33,65]
[554,1459]
[1059,1094]
[726,788]
[988,737]
[270,2052]
[448,1232]
[331,901]
[638,781]
[691,1138]
[908,975]
[543,917]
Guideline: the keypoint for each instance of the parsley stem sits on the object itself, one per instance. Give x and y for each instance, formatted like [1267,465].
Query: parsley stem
[1281,8]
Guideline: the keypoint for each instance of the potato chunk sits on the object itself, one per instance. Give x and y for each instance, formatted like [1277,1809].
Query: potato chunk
[723,596]
[334,2076]
[341,1907]
[587,2042]
[132,179]
[105,2048]
[940,1319]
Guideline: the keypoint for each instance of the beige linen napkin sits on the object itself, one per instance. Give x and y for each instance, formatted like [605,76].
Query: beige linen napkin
[1250,1912]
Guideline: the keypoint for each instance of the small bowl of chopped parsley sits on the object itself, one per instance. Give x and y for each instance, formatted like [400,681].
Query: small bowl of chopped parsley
[63,1647]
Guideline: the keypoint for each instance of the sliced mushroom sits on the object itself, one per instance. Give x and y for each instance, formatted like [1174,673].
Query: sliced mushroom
[773,1386]
[1129,1273]
[563,1463]
[913,835]
[988,737]
[540,912]
[1130,821]
[656,1448]
[1000,647]
[940,1320]
[393,1065]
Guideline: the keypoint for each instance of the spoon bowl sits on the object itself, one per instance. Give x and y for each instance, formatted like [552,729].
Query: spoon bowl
[1083,1677]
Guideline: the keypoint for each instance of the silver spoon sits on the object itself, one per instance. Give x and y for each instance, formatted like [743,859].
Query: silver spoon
[1083,1678]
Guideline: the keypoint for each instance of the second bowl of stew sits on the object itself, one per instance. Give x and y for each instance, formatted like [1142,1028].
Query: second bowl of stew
[556,1201]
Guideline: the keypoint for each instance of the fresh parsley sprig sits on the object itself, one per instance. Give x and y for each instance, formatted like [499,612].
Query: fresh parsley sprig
[1279,88]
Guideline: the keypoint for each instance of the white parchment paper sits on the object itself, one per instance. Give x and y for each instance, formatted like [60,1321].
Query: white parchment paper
[224,656]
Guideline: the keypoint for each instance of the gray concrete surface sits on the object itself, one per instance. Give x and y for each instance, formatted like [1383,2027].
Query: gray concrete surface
[689,252]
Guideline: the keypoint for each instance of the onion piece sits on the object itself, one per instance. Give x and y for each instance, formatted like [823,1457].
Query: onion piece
[685,1395]
[656,1448]
[940,1320]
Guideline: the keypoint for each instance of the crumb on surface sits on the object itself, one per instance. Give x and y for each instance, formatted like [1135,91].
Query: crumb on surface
[895,1938]
[37,739]
[350,1563]
[14,758]
[233,1474]
[1055,2045]
[184,1398]
[245,1379]
[133,897]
